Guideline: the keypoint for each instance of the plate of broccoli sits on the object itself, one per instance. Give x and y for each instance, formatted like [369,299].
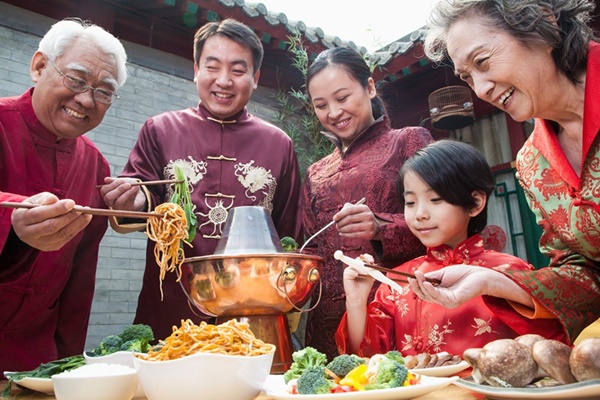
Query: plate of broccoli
[347,376]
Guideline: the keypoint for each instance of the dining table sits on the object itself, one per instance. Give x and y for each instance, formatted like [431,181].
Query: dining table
[450,392]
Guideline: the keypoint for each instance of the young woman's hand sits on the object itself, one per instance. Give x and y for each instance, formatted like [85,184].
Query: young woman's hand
[356,222]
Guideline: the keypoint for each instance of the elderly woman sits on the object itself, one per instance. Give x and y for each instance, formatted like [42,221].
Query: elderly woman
[534,59]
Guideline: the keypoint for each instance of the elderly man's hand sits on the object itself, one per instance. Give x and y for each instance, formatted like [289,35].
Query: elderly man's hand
[119,194]
[50,227]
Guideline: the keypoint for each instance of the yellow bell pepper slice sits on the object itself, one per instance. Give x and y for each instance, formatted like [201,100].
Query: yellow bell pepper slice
[356,378]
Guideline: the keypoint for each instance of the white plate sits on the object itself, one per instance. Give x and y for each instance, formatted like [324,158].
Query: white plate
[588,390]
[275,387]
[446,370]
[43,385]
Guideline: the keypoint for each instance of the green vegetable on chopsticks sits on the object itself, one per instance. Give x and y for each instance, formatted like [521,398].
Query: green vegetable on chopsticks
[45,370]
[183,197]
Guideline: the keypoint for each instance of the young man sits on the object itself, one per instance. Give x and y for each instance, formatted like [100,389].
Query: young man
[230,158]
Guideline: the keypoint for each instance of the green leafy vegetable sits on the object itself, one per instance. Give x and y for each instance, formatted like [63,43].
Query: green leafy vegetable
[183,197]
[45,370]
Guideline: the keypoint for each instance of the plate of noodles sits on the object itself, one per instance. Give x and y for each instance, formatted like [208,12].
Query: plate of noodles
[206,361]
[276,388]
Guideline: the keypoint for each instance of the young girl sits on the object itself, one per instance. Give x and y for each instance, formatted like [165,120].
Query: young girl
[444,187]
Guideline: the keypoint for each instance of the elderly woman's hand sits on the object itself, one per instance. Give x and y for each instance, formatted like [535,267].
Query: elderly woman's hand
[357,222]
[459,283]
[119,194]
[50,227]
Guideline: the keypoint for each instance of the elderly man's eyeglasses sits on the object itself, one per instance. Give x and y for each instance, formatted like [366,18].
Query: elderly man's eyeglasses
[79,85]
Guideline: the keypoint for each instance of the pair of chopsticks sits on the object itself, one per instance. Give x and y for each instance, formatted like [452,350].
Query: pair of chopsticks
[405,274]
[92,211]
[148,183]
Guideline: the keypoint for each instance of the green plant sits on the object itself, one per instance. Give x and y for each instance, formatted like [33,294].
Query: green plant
[296,116]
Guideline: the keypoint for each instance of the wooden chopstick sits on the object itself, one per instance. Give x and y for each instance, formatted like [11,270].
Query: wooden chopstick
[406,274]
[92,211]
[148,183]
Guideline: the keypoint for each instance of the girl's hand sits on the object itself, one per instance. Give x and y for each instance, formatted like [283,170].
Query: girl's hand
[459,283]
[356,285]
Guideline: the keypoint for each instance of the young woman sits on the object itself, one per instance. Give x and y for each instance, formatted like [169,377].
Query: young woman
[365,163]
[444,188]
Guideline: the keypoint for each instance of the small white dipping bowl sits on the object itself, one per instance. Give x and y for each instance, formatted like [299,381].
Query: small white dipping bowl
[202,376]
[119,357]
[96,382]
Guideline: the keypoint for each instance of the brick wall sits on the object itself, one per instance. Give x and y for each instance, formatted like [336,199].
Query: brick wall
[157,82]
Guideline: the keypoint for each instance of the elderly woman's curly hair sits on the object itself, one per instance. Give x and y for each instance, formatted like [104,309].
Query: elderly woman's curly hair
[562,24]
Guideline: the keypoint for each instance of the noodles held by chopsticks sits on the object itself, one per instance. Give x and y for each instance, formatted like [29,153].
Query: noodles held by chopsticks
[168,232]
[231,337]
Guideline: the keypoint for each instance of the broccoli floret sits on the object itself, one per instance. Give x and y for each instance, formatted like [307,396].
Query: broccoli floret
[108,345]
[138,332]
[344,363]
[390,374]
[395,355]
[288,244]
[314,381]
[304,359]
[133,345]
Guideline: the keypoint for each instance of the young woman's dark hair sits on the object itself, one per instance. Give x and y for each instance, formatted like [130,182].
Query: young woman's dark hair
[354,64]
[454,170]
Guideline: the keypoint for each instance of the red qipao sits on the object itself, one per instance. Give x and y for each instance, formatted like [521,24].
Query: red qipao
[404,322]
[244,161]
[368,168]
[45,297]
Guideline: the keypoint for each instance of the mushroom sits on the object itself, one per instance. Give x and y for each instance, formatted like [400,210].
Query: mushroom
[585,359]
[552,356]
[470,356]
[507,363]
[529,339]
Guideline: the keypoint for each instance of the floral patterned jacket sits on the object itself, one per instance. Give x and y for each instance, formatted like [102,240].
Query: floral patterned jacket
[567,207]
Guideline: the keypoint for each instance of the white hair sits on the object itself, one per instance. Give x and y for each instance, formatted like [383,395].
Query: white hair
[63,33]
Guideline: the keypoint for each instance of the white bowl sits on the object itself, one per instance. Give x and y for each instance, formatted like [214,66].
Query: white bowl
[100,382]
[119,357]
[202,376]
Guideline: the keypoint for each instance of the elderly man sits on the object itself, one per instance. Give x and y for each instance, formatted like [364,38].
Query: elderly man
[48,255]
